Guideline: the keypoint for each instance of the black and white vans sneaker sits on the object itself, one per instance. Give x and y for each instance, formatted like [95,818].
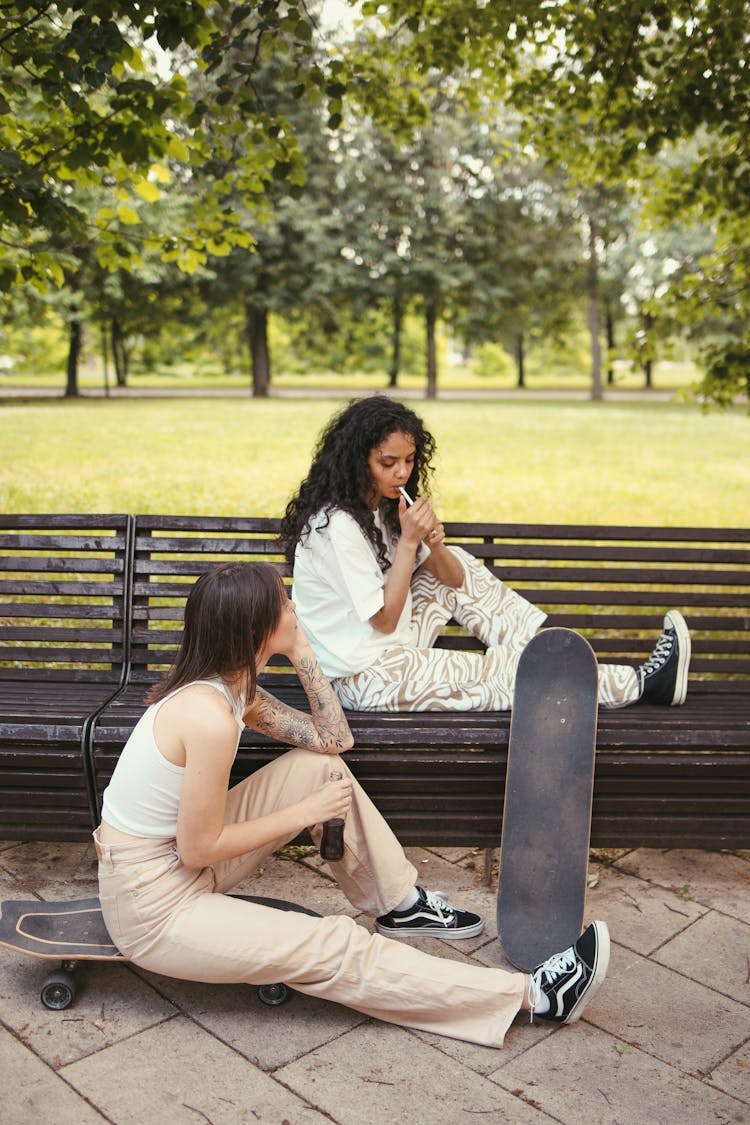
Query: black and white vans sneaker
[663,677]
[570,979]
[431,916]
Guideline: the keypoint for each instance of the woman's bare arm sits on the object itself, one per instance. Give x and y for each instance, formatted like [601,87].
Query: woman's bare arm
[325,729]
[209,735]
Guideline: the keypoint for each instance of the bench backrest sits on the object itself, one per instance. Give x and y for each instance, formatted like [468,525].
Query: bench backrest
[64,587]
[613,584]
[171,552]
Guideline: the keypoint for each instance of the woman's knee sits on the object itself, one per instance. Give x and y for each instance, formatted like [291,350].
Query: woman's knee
[315,765]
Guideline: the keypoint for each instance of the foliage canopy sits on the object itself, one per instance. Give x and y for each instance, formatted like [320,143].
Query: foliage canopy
[126,97]
[136,130]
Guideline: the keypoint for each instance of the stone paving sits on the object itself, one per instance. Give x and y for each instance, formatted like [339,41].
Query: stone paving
[666,1040]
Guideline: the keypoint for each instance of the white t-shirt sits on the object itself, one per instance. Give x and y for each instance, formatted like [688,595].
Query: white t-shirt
[338,586]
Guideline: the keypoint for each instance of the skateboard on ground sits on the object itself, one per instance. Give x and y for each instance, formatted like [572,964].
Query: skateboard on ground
[71,932]
[547,810]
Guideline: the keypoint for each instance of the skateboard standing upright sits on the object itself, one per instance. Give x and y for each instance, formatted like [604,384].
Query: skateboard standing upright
[70,932]
[548,789]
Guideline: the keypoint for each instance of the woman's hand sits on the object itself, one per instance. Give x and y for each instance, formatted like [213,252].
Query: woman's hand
[330,801]
[417,521]
[288,639]
[420,520]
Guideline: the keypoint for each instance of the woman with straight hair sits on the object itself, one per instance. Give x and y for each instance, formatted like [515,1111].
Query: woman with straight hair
[174,840]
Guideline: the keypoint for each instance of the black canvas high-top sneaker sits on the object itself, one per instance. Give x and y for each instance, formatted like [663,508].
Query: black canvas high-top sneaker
[663,677]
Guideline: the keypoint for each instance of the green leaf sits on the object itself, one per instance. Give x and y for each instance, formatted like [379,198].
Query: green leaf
[177,149]
[161,174]
[189,260]
[148,191]
[127,215]
[218,249]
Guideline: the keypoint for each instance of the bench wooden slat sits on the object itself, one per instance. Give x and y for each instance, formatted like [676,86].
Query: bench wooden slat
[549,532]
[74,564]
[105,632]
[106,653]
[58,610]
[203,544]
[606,576]
[679,557]
[61,588]
[59,546]
[665,598]
[202,524]
[66,521]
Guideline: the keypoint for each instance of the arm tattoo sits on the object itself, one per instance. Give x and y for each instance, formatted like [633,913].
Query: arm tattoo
[285,724]
[324,728]
[326,711]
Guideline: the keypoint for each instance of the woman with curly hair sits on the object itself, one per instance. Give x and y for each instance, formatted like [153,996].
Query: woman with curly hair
[375,582]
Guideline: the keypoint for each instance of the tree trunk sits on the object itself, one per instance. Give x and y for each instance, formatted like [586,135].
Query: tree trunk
[74,351]
[648,366]
[256,322]
[610,323]
[594,316]
[398,318]
[119,353]
[431,321]
[105,358]
[520,361]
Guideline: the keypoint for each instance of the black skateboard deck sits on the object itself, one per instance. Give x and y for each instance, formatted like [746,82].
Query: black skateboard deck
[548,788]
[74,931]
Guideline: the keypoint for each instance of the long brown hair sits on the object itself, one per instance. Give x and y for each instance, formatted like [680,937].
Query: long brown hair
[230,613]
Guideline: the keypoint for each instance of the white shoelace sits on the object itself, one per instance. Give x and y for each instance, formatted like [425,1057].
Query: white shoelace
[660,655]
[436,901]
[552,967]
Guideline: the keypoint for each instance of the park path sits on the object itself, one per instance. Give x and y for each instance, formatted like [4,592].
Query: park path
[510,394]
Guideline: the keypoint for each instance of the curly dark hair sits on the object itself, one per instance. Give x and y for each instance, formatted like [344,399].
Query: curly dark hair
[339,475]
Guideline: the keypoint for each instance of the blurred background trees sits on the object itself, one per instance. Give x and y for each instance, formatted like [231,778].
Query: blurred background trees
[241,187]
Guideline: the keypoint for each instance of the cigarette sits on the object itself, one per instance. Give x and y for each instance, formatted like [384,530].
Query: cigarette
[405,495]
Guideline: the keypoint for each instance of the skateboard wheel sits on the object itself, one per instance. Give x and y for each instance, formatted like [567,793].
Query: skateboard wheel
[273,994]
[59,990]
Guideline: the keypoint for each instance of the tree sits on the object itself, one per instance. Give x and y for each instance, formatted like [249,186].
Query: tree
[605,87]
[520,242]
[98,95]
[292,262]
[403,200]
[377,205]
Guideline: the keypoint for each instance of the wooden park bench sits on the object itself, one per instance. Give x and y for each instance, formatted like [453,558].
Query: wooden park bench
[671,777]
[64,587]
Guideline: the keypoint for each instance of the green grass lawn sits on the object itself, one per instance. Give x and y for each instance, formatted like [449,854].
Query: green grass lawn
[546,461]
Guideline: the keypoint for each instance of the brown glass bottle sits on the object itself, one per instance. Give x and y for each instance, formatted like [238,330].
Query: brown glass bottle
[332,840]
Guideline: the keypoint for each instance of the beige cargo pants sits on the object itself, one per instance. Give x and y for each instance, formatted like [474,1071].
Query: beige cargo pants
[182,923]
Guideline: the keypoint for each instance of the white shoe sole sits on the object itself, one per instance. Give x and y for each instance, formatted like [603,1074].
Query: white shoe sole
[427,931]
[675,620]
[599,973]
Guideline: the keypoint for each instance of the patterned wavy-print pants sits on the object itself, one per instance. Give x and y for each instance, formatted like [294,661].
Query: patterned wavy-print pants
[421,678]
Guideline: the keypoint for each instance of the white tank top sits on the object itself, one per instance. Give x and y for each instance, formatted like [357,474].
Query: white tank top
[143,797]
